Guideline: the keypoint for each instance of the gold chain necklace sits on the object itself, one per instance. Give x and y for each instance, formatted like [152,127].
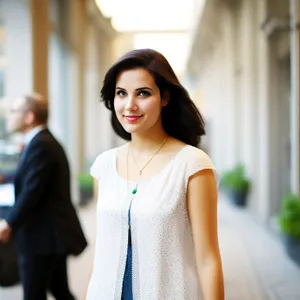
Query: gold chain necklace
[134,191]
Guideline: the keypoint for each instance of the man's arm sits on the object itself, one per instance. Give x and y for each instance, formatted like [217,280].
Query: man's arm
[33,186]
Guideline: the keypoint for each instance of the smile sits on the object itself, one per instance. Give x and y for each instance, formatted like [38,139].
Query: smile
[132,119]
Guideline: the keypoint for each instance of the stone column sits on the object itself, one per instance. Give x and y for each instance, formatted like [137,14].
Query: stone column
[248,48]
[78,22]
[263,131]
[40,37]
[230,49]
[295,95]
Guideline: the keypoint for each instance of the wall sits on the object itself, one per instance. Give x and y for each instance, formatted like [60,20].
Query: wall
[242,76]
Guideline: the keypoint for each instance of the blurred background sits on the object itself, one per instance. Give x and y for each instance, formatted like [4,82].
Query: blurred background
[239,60]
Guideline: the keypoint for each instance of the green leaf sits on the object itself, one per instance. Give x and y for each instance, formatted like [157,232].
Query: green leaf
[85,181]
[288,216]
[235,179]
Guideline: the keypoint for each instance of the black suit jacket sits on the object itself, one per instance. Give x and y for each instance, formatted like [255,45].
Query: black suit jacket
[43,218]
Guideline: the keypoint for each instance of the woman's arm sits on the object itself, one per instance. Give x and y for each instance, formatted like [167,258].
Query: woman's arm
[95,198]
[202,199]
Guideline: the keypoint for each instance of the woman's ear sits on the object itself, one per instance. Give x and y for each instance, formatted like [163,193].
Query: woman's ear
[165,98]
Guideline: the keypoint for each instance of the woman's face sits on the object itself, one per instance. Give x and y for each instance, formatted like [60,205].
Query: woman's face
[137,101]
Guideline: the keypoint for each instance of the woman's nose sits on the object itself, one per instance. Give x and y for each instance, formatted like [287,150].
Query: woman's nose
[130,104]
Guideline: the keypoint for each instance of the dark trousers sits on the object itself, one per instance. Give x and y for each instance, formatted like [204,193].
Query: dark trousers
[43,273]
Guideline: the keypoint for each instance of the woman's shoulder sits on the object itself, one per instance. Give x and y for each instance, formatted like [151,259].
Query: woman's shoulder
[195,160]
[104,155]
[109,154]
[193,153]
[102,162]
[185,152]
[121,150]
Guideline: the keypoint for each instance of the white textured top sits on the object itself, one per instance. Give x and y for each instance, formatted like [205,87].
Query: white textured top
[163,257]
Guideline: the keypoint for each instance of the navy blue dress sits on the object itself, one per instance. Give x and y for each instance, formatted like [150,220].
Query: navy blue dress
[127,280]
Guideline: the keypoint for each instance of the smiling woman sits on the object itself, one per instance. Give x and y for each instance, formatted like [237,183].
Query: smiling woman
[137,107]
[148,68]
[157,196]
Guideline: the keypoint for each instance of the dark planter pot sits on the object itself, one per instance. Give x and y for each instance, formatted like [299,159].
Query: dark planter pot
[86,195]
[238,198]
[292,247]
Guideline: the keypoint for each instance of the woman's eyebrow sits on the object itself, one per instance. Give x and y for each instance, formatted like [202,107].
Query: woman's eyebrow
[144,88]
[138,89]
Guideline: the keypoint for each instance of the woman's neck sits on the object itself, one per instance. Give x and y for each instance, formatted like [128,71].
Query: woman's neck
[147,142]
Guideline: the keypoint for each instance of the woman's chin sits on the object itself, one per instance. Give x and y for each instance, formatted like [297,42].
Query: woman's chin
[130,128]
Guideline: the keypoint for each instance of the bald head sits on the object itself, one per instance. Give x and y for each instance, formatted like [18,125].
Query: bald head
[38,105]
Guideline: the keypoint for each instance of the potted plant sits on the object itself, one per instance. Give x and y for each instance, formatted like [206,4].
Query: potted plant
[236,184]
[85,182]
[289,222]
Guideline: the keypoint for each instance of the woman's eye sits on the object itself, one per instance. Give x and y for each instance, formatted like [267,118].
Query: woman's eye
[144,93]
[121,93]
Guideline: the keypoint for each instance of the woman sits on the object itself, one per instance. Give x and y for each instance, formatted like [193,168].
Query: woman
[157,197]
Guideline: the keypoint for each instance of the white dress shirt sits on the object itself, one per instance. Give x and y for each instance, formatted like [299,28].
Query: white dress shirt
[32,133]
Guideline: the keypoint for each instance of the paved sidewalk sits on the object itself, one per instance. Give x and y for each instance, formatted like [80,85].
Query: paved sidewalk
[254,259]
[254,262]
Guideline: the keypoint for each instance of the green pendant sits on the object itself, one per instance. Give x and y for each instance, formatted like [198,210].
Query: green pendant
[134,191]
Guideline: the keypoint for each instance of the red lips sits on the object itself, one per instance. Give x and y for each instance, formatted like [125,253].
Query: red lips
[132,119]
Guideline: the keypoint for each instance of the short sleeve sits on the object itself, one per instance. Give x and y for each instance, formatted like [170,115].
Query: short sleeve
[198,160]
[96,167]
[100,164]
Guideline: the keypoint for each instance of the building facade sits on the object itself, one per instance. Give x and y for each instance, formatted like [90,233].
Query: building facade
[244,71]
[61,49]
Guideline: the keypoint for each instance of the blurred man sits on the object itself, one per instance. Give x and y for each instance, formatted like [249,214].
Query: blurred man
[43,220]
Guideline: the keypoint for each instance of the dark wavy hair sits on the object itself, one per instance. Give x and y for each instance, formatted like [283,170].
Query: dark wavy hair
[180,117]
